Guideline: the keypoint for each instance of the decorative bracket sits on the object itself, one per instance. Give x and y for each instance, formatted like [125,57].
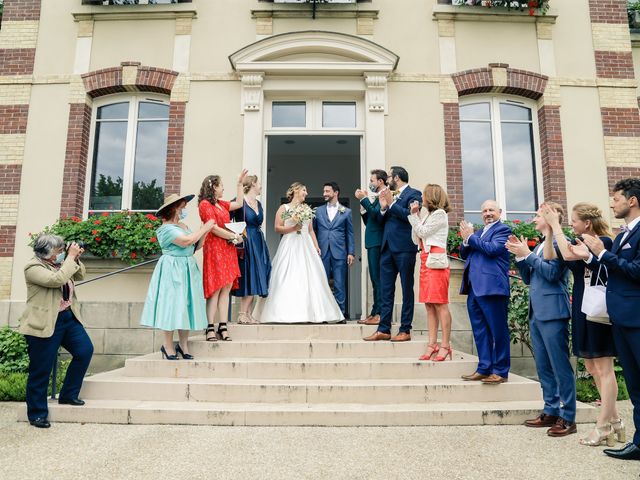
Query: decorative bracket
[376,91]
[252,91]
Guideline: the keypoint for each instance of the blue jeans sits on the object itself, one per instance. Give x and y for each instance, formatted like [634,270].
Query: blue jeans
[71,335]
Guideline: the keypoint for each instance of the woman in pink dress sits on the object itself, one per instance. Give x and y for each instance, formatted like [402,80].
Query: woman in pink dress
[220,261]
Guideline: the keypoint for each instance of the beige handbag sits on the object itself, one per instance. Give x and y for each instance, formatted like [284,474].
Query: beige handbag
[437,261]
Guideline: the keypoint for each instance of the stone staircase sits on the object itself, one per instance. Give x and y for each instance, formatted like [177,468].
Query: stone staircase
[302,375]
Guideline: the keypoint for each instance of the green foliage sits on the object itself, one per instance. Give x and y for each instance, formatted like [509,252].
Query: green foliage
[531,6]
[13,386]
[518,317]
[147,195]
[13,352]
[586,390]
[130,236]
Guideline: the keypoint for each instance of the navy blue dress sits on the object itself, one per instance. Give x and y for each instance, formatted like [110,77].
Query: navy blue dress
[255,267]
[589,339]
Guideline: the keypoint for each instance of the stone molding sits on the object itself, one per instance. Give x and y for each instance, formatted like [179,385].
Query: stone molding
[252,91]
[376,92]
[140,12]
[482,14]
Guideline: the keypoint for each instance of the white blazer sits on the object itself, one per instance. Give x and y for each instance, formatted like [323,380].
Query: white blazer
[431,227]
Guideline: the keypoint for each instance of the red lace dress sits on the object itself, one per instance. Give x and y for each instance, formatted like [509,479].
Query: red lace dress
[220,262]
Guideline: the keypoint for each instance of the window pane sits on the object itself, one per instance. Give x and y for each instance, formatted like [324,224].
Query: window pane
[514,112]
[475,218]
[289,114]
[153,110]
[475,111]
[108,166]
[477,164]
[519,170]
[338,115]
[150,162]
[115,111]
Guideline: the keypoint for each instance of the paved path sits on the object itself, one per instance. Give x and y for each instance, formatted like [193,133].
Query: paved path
[103,452]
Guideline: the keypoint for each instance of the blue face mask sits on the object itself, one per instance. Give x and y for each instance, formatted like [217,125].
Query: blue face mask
[373,187]
[60,257]
[183,214]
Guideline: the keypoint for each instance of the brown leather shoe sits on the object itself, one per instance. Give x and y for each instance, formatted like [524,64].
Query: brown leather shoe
[562,428]
[370,320]
[401,337]
[542,420]
[377,336]
[473,377]
[494,379]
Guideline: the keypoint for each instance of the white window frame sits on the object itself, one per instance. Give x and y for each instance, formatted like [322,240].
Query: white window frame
[130,145]
[496,138]
[313,110]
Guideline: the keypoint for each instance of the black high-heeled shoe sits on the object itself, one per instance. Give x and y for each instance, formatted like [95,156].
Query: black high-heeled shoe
[222,332]
[165,355]
[185,356]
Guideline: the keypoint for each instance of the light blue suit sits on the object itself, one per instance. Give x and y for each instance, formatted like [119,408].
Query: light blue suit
[549,316]
[335,239]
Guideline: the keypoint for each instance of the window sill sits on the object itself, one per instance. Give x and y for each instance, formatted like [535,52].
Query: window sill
[134,12]
[483,14]
[305,11]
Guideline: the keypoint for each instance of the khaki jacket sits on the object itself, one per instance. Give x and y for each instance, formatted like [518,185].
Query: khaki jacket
[44,293]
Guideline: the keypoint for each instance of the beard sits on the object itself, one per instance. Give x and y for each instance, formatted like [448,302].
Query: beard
[622,213]
[393,185]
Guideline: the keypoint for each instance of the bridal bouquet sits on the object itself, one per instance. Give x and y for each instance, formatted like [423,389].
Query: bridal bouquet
[299,214]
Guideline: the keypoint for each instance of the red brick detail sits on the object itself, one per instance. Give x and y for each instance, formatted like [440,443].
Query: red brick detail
[7,240]
[615,174]
[103,82]
[552,155]
[519,82]
[75,161]
[17,10]
[453,158]
[13,119]
[621,122]
[608,11]
[175,142]
[17,61]
[614,64]
[10,179]
[150,79]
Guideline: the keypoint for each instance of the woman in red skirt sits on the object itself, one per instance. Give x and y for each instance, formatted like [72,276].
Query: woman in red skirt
[430,227]
[220,260]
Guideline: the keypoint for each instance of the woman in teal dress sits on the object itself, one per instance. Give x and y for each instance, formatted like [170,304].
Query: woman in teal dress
[175,300]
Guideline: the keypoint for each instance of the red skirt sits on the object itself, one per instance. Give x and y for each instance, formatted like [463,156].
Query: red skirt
[434,283]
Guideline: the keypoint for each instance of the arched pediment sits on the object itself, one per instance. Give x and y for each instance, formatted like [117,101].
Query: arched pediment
[314,52]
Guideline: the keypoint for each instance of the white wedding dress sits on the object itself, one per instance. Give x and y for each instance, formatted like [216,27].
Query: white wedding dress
[299,291]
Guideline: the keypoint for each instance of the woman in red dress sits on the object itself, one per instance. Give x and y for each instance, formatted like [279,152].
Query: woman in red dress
[220,264]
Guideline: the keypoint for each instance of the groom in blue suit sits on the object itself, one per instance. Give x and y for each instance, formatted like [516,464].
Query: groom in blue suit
[397,254]
[334,230]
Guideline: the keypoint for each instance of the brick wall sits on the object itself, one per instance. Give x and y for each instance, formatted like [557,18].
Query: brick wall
[13,119]
[453,158]
[17,61]
[552,158]
[75,161]
[614,65]
[175,141]
[608,11]
[621,122]
[20,10]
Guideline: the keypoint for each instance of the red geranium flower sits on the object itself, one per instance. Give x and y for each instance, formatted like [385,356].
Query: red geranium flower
[153,239]
[454,255]
[118,227]
[532,243]
[133,255]
[148,225]
[151,217]
[94,232]
[75,219]
[459,234]
[97,222]
[517,222]
[97,239]
[114,253]
[105,214]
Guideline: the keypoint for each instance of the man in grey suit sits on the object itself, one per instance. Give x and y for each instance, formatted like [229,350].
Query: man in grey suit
[549,316]
[334,229]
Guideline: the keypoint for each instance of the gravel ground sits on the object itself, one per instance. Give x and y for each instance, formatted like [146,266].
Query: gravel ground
[76,451]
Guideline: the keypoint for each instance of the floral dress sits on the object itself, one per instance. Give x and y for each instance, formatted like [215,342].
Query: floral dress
[220,263]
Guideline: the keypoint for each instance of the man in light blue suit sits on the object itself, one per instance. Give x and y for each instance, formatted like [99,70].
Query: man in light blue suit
[334,230]
[549,316]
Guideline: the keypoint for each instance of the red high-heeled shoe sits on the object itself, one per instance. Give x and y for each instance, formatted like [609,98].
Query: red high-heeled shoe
[435,348]
[449,354]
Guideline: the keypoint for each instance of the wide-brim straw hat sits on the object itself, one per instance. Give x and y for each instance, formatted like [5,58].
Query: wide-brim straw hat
[173,198]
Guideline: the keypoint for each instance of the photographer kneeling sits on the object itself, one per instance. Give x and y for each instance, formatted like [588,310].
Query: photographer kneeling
[51,319]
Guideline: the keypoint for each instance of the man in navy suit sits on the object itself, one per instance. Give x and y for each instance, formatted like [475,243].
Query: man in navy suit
[623,295]
[334,230]
[486,282]
[549,315]
[397,254]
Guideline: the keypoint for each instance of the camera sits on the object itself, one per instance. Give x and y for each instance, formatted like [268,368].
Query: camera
[82,245]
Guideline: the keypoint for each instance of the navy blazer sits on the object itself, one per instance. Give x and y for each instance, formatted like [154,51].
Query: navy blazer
[548,282]
[335,236]
[396,235]
[487,268]
[623,284]
[374,227]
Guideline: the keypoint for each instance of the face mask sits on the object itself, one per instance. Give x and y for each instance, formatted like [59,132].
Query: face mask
[183,214]
[373,187]
[60,257]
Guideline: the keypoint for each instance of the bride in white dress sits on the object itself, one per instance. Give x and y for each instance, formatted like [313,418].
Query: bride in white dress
[298,291]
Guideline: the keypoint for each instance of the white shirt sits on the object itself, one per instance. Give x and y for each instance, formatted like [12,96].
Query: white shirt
[630,227]
[485,229]
[402,189]
[332,210]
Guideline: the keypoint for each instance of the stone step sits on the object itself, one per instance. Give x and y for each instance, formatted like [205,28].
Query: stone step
[308,349]
[116,386]
[347,331]
[301,414]
[307,368]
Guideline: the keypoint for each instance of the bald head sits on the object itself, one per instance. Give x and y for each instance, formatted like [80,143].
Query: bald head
[491,211]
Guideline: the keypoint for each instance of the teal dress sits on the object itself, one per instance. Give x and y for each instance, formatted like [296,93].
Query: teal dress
[175,300]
